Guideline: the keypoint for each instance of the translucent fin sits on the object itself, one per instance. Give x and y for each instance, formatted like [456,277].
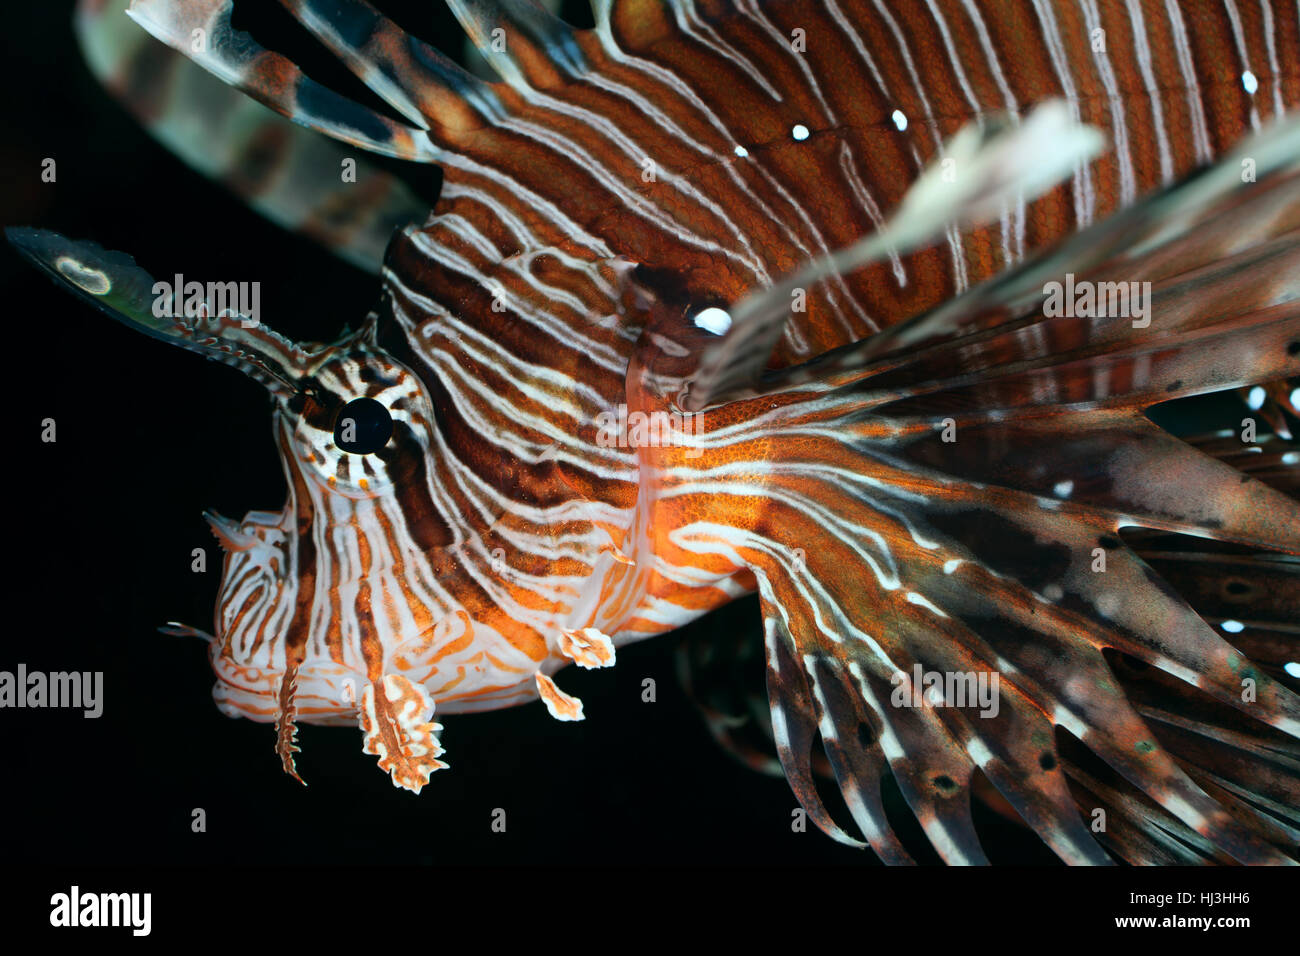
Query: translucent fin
[201,30]
[288,174]
[1123,466]
[411,76]
[526,44]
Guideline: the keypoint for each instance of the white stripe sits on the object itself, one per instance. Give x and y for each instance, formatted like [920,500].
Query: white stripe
[1200,129]
[1239,38]
[1119,124]
[1270,41]
[1153,90]
[1085,200]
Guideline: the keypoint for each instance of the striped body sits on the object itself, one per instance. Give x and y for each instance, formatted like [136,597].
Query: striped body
[538,219]
[681,157]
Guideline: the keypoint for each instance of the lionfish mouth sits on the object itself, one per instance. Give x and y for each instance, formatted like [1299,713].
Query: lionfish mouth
[898,366]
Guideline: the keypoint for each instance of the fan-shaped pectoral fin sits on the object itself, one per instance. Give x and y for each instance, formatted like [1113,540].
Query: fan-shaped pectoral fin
[286,728]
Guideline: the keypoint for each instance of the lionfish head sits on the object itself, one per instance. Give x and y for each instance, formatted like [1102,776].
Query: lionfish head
[354,428]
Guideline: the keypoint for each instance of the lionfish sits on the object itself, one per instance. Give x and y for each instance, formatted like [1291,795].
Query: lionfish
[856,304]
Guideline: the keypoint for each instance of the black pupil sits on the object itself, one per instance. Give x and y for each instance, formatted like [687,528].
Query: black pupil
[363,427]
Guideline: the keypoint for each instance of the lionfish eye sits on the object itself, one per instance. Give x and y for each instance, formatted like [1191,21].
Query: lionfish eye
[363,427]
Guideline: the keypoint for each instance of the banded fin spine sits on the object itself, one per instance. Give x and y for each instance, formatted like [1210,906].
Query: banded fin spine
[238,60]
[288,174]
[414,78]
[526,44]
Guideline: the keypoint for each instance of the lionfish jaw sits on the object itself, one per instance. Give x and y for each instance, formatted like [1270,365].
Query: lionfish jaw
[394,718]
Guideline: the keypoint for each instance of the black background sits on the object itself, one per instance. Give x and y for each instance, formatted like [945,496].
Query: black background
[101,524]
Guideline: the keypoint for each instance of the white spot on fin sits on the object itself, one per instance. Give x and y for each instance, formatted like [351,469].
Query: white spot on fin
[83,276]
